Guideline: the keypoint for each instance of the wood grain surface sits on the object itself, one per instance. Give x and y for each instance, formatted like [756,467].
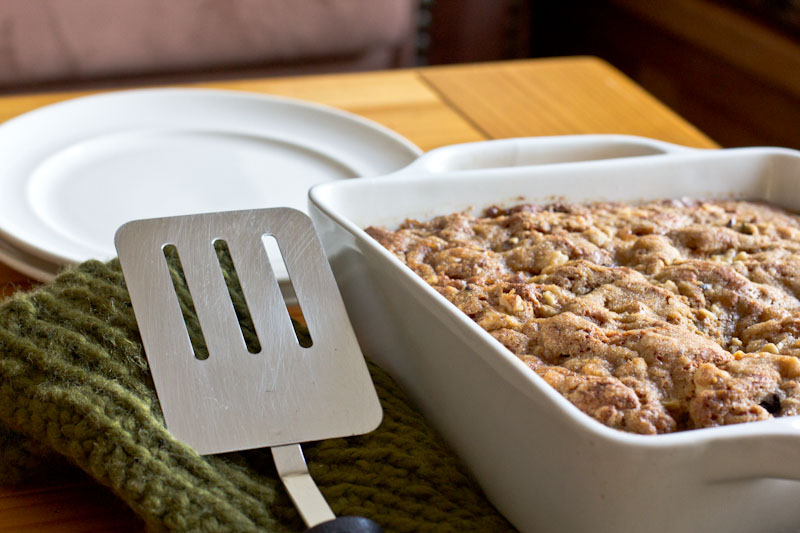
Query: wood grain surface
[432,107]
[557,97]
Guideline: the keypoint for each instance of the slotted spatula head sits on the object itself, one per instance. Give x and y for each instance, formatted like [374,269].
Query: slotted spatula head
[235,399]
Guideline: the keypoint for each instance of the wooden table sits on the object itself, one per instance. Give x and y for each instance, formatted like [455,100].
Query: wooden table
[432,107]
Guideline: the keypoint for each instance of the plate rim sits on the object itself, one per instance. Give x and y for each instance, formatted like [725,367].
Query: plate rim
[14,239]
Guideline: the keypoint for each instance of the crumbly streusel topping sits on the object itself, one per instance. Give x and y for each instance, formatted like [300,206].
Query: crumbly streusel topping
[651,318]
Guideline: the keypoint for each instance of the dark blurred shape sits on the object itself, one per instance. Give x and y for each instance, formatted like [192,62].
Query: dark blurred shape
[465,31]
[781,14]
[731,67]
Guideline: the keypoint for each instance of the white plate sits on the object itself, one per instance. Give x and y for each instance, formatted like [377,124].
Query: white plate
[73,172]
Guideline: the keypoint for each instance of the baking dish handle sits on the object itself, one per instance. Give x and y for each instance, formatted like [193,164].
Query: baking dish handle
[528,151]
[767,453]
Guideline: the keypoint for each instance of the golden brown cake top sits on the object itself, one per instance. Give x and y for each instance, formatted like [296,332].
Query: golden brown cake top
[651,318]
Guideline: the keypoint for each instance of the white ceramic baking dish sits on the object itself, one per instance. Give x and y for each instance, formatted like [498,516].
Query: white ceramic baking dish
[544,464]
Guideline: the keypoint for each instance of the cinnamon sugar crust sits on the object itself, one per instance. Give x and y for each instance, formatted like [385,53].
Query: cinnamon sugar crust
[651,318]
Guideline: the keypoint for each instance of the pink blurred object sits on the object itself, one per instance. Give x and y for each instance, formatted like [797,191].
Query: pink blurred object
[50,41]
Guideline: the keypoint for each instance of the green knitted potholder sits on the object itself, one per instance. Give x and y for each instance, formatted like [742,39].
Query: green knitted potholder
[75,386]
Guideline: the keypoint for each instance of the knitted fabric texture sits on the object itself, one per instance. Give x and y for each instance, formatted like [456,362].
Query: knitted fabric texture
[75,387]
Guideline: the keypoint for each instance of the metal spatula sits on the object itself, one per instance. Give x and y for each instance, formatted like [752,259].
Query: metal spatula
[235,399]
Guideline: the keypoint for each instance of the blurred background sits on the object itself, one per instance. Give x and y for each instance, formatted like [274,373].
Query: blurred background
[731,67]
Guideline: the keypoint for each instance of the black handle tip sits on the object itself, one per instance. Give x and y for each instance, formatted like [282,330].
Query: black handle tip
[347,524]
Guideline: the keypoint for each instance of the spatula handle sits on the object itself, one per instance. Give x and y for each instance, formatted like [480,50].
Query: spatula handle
[310,503]
[347,524]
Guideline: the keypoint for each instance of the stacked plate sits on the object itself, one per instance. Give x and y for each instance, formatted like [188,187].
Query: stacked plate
[73,172]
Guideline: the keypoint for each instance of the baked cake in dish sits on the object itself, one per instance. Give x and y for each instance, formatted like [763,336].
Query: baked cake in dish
[651,318]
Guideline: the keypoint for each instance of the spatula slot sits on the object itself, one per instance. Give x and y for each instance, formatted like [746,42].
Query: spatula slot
[294,310]
[238,299]
[186,302]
